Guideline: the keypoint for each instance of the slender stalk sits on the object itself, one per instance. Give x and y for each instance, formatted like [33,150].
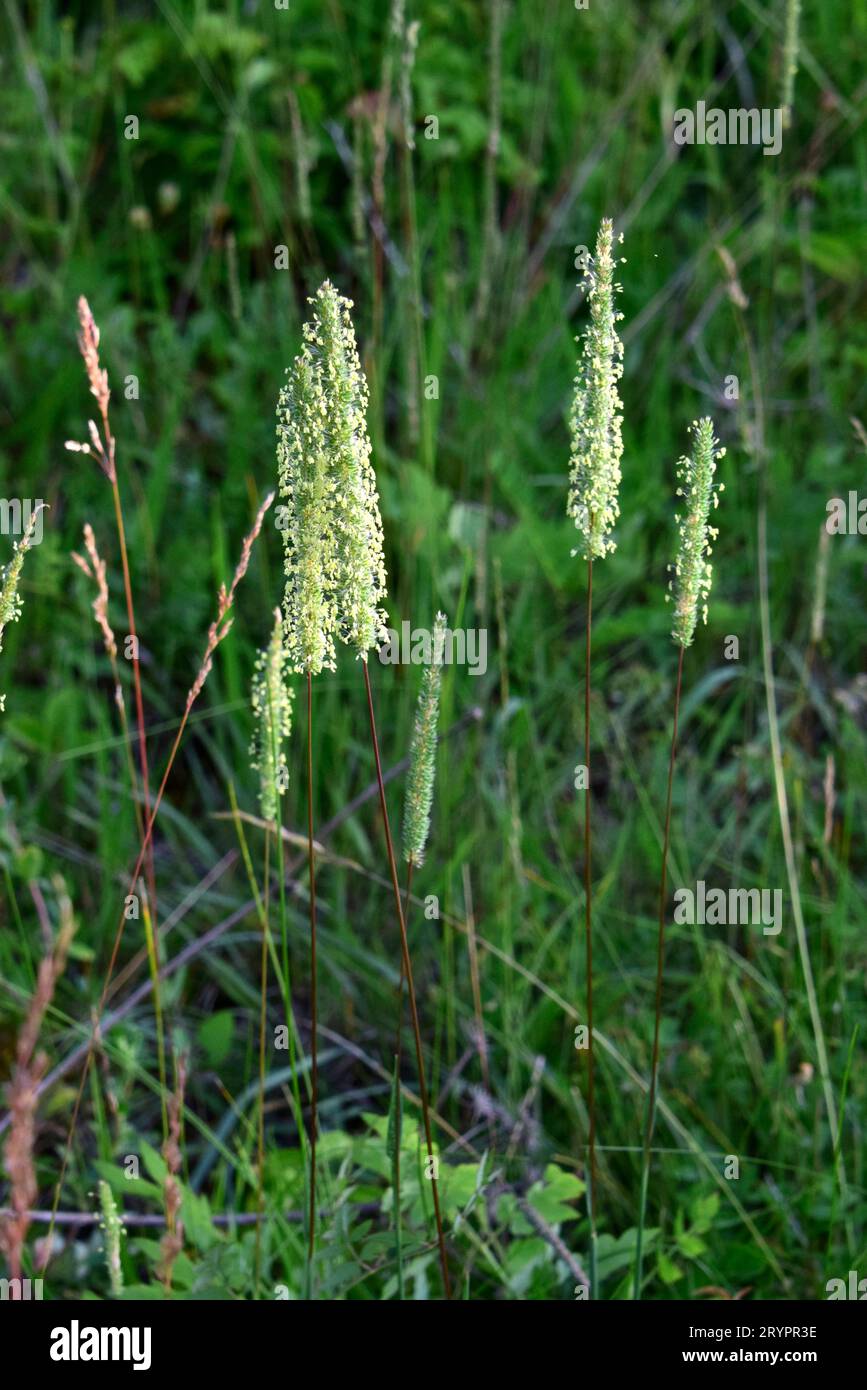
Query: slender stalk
[108,978]
[398,1046]
[407,966]
[660,953]
[476,986]
[263,976]
[314,1063]
[393,1142]
[294,1037]
[154,965]
[588,932]
[216,633]
[136,671]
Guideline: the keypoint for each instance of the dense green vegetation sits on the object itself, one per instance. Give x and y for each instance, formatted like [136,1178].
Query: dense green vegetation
[270,152]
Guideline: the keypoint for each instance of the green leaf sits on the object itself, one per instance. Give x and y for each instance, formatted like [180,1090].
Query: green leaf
[691,1245]
[215,1036]
[703,1210]
[669,1272]
[552,1197]
[196,1216]
[155,1164]
[123,1186]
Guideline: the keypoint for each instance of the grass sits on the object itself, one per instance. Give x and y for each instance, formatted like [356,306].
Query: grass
[171,238]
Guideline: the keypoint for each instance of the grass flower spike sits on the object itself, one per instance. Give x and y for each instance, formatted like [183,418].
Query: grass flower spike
[335,569]
[594,480]
[423,748]
[354,502]
[302,466]
[693,572]
[10,599]
[791,48]
[691,586]
[272,708]
[112,1228]
[595,423]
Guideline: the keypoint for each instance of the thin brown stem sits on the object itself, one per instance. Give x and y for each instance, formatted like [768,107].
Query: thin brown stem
[314,1063]
[660,958]
[407,966]
[109,973]
[216,633]
[263,976]
[476,986]
[136,671]
[398,1044]
[588,906]
[398,1049]
[663,888]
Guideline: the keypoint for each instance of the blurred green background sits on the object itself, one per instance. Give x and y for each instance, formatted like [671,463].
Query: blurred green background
[274,147]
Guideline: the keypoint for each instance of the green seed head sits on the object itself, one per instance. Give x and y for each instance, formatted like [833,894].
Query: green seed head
[272,710]
[423,752]
[692,570]
[596,420]
[335,569]
[308,543]
[112,1228]
[10,599]
[791,47]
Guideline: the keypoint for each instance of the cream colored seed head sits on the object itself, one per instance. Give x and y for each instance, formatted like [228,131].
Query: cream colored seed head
[423,752]
[596,419]
[272,710]
[10,599]
[334,560]
[692,571]
[112,1227]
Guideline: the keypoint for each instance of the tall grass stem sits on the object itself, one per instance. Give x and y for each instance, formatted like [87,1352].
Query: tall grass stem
[407,965]
[660,957]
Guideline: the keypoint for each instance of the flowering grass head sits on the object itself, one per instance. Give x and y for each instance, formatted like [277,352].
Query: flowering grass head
[692,571]
[423,750]
[308,544]
[272,710]
[10,599]
[596,419]
[334,561]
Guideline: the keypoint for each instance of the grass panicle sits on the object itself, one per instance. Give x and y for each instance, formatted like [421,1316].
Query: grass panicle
[692,583]
[112,1230]
[271,699]
[596,418]
[692,576]
[593,504]
[10,577]
[422,753]
[791,56]
[332,533]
